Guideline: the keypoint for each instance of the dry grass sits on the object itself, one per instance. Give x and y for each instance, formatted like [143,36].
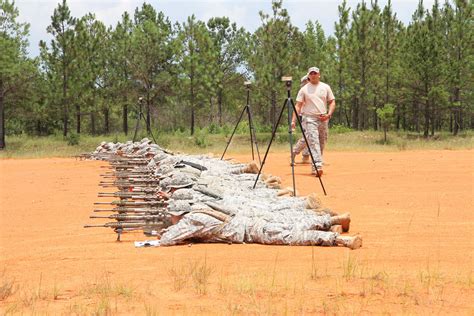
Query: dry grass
[351,288]
[6,286]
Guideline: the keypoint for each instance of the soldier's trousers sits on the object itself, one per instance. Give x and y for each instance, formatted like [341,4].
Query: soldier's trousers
[316,132]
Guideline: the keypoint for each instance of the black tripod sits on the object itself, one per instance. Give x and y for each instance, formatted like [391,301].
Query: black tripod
[291,109]
[141,116]
[253,137]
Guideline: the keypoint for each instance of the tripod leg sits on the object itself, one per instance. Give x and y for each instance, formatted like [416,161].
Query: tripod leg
[250,130]
[253,134]
[269,144]
[309,148]
[289,103]
[139,117]
[235,128]
[149,129]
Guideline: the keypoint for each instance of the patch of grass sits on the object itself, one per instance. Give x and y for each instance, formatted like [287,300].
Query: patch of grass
[103,289]
[56,291]
[314,268]
[6,286]
[12,309]
[350,267]
[200,274]
[340,139]
[196,272]
[246,285]
[179,277]
[28,298]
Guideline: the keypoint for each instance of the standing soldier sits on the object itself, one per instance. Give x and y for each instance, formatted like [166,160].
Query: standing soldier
[312,103]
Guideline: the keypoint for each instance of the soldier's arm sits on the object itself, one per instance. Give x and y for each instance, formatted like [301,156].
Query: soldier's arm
[298,110]
[185,229]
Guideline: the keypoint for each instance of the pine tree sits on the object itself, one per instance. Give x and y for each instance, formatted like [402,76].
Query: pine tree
[229,42]
[275,53]
[196,57]
[13,61]
[58,60]
[151,56]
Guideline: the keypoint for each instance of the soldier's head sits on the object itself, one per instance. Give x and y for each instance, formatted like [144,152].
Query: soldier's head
[313,75]
[304,81]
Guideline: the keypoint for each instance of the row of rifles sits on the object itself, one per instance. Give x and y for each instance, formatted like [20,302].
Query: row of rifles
[139,205]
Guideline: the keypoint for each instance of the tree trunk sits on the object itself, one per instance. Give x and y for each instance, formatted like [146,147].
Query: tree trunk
[78,118]
[375,115]
[219,104]
[93,123]
[125,119]
[273,109]
[355,112]
[426,128]
[456,111]
[192,106]
[398,117]
[38,127]
[106,121]
[64,102]
[148,116]
[2,117]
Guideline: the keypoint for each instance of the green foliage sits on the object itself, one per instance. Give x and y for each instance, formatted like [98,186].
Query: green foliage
[385,115]
[88,78]
[73,139]
[201,138]
[340,129]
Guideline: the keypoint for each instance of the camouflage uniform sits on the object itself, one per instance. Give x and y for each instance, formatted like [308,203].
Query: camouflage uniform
[239,229]
[316,132]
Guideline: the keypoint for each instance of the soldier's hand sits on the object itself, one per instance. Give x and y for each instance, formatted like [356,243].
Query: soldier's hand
[324,117]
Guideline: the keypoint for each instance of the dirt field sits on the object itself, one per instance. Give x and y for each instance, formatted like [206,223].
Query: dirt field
[414,210]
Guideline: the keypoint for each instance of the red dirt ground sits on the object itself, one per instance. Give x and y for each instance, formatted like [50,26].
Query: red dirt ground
[414,210]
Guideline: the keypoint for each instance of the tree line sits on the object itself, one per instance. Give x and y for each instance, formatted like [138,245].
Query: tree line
[89,77]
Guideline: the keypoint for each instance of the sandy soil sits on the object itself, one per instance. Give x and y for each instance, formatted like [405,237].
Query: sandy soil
[414,210]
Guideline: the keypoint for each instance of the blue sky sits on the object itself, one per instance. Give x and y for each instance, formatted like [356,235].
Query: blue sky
[243,12]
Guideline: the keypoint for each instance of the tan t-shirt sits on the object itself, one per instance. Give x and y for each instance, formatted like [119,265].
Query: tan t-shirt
[315,98]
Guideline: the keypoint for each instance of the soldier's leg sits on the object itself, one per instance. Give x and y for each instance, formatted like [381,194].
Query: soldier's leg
[352,242]
[251,167]
[323,137]
[344,220]
[313,142]
[301,144]
[320,238]
[314,238]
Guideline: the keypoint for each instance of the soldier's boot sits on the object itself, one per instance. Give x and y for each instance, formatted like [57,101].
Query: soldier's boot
[305,159]
[344,220]
[336,229]
[351,242]
[328,211]
[287,191]
[273,182]
[252,167]
[313,202]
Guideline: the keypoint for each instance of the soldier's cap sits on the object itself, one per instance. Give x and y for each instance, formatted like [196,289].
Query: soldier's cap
[313,69]
[304,78]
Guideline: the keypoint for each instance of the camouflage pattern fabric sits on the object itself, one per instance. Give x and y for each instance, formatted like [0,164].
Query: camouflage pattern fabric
[316,132]
[239,229]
